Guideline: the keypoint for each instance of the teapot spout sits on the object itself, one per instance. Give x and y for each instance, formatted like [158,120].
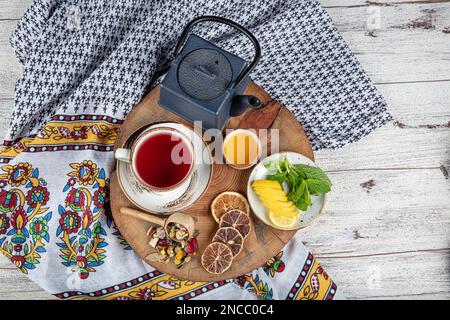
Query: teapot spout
[241,103]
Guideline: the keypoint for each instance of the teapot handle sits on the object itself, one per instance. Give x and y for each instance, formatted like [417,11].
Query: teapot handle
[230,23]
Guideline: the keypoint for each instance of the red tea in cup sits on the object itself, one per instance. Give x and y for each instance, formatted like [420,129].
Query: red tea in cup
[163,160]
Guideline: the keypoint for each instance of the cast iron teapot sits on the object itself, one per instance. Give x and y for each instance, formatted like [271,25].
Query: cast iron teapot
[206,83]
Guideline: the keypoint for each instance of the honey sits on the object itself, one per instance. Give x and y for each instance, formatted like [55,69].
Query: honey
[241,148]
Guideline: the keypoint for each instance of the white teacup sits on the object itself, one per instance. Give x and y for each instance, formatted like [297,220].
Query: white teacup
[161,159]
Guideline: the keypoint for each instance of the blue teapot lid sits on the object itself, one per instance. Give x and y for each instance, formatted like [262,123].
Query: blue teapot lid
[205,74]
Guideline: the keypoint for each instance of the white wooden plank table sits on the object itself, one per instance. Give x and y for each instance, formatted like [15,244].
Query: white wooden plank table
[386,231]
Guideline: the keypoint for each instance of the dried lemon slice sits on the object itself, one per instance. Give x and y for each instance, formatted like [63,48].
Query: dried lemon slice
[227,201]
[217,258]
[231,237]
[236,219]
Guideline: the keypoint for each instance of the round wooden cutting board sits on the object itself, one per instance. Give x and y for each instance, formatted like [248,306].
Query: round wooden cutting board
[263,242]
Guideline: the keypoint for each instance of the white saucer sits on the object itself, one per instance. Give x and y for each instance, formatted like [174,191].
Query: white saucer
[259,172]
[174,200]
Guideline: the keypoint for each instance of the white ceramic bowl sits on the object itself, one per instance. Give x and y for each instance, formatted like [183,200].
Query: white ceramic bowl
[305,218]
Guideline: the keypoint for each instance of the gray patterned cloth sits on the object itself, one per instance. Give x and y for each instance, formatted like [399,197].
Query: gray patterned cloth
[100,57]
[86,65]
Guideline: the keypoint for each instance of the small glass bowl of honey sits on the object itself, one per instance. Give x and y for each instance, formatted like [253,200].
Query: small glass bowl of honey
[241,149]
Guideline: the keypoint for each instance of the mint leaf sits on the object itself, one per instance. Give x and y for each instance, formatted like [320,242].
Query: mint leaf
[310,172]
[304,201]
[317,187]
[277,177]
[297,192]
[272,165]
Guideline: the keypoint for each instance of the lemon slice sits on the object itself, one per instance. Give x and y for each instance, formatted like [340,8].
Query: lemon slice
[267,184]
[283,222]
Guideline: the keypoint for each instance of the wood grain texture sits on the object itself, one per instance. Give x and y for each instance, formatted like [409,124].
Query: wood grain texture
[366,3]
[375,231]
[13,9]
[16,286]
[263,242]
[412,275]
[398,210]
[11,68]
[419,137]
[398,43]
